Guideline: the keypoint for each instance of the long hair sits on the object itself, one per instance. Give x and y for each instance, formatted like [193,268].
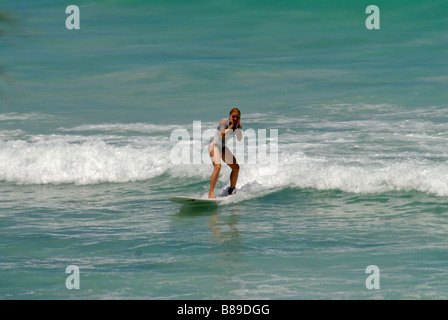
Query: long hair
[235,109]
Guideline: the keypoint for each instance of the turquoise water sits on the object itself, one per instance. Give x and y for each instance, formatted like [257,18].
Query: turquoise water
[85,170]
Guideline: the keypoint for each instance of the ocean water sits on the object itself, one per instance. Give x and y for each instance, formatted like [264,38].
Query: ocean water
[86,118]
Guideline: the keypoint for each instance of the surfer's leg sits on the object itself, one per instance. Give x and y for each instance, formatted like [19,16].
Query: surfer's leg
[230,159]
[215,155]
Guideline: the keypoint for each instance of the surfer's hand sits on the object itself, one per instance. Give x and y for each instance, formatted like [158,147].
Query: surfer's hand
[238,125]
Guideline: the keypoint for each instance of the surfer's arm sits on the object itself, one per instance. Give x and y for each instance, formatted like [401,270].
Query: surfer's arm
[239,131]
[222,128]
[226,131]
[239,134]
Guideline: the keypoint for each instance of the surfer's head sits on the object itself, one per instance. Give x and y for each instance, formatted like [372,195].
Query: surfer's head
[235,110]
[235,115]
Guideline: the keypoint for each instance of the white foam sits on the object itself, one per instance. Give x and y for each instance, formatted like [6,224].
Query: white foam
[300,171]
[59,159]
[93,161]
[360,156]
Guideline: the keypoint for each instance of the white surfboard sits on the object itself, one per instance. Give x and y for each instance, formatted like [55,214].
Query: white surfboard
[197,201]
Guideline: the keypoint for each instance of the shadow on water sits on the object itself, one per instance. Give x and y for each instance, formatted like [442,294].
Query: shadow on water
[221,223]
[226,235]
[197,210]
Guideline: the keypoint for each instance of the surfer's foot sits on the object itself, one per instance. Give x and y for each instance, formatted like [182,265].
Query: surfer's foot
[231,191]
[211,196]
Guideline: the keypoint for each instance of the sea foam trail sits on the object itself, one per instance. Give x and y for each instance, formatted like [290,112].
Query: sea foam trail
[324,159]
[93,161]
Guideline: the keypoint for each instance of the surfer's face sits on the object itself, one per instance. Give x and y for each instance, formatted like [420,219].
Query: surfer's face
[234,116]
